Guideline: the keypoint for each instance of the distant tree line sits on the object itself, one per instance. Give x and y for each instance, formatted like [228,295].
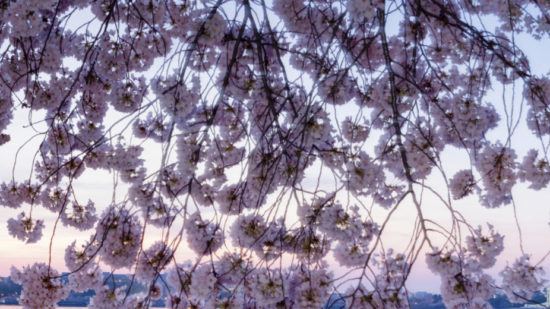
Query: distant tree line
[9,291]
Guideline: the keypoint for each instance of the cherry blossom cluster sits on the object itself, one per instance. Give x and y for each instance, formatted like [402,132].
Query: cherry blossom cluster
[522,279]
[535,170]
[262,139]
[496,165]
[25,228]
[152,261]
[119,235]
[463,280]
[203,236]
[106,297]
[388,288]
[41,286]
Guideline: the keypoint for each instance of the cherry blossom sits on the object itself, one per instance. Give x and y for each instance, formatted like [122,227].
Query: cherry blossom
[25,228]
[266,141]
[40,289]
